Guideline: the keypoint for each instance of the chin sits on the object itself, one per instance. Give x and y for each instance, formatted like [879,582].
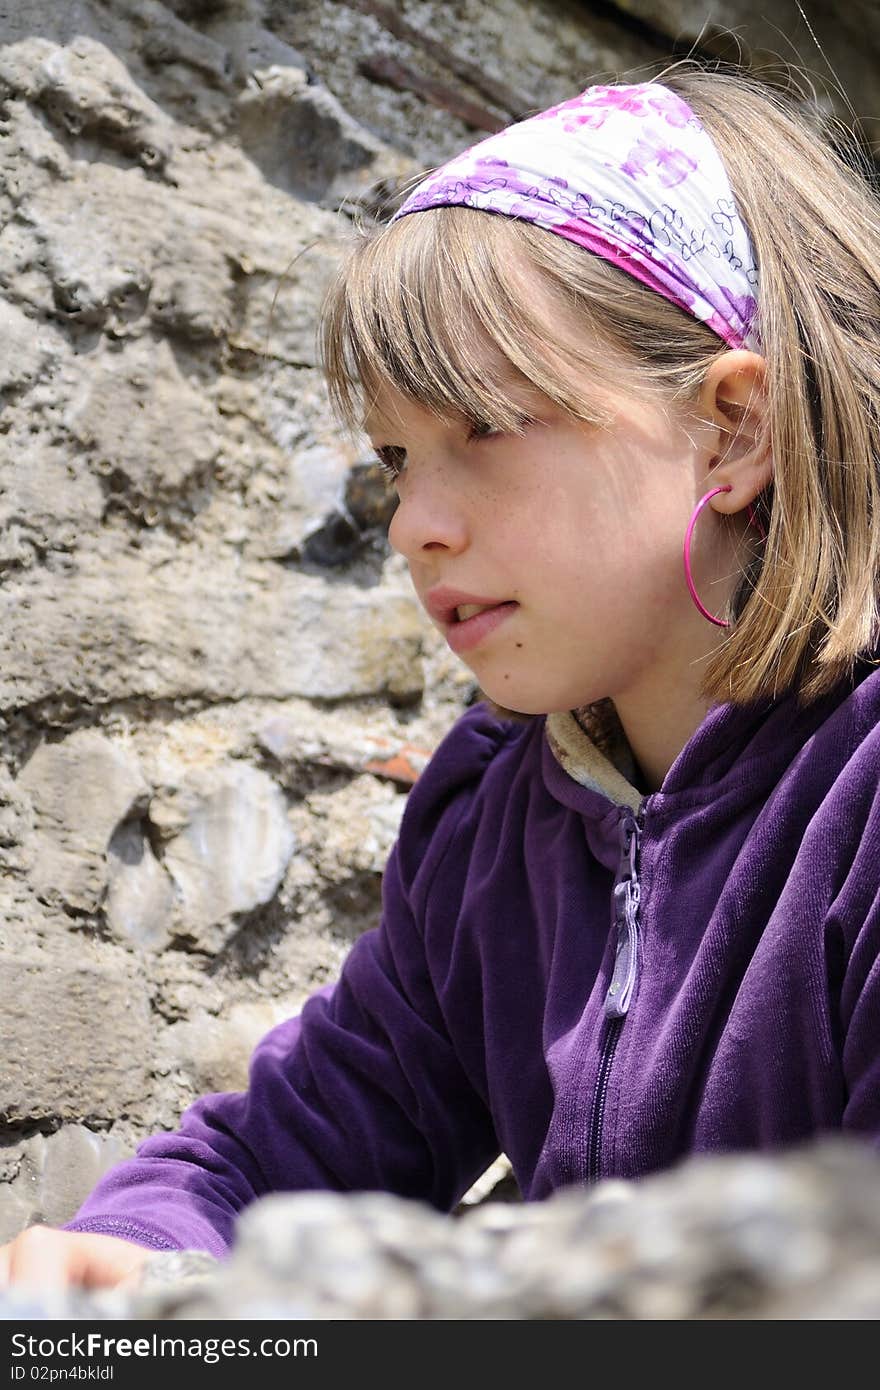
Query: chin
[511,707]
[501,712]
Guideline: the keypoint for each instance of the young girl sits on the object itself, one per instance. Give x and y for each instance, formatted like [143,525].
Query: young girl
[622,361]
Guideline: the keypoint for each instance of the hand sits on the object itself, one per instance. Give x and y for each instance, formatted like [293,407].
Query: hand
[43,1258]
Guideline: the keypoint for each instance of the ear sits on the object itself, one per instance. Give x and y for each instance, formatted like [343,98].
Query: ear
[733,398]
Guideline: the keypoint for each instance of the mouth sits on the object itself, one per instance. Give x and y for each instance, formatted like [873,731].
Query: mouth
[470,610]
[471,623]
[451,607]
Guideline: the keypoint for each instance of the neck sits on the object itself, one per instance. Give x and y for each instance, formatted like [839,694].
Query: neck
[657,725]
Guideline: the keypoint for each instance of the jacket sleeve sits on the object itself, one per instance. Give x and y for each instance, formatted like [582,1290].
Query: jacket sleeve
[363,1090]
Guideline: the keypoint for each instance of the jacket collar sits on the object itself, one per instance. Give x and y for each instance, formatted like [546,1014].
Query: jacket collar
[734,744]
[611,777]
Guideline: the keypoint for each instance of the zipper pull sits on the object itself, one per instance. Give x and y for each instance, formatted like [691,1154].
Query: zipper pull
[623,980]
[626,898]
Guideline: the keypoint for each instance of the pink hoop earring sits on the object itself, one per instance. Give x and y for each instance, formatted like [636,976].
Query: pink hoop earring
[719,622]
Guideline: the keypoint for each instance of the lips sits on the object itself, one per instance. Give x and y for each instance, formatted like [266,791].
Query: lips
[470,610]
[443,604]
[468,633]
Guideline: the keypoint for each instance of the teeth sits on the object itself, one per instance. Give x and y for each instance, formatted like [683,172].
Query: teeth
[469,610]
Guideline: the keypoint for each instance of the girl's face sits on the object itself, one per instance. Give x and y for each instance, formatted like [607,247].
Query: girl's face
[577,530]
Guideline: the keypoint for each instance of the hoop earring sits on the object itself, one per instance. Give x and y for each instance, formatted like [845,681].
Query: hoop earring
[719,622]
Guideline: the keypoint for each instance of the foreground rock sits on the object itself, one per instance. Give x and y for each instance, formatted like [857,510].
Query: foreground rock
[741,1237]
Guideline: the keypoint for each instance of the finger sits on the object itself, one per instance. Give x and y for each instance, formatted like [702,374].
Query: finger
[37,1258]
[102,1261]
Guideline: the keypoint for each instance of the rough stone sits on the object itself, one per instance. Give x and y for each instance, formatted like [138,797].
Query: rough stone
[795,1235]
[27,348]
[46,504]
[122,419]
[355,826]
[292,510]
[275,633]
[164,41]
[74,1034]
[722,1237]
[80,789]
[252,48]
[346,836]
[140,901]
[538,52]
[211,1053]
[89,91]
[282,276]
[47,1177]
[299,741]
[186,264]
[227,841]
[299,135]
[17,850]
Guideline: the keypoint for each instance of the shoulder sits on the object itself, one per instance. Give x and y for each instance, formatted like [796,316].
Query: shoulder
[828,804]
[475,761]
[856,788]
[842,840]
[844,750]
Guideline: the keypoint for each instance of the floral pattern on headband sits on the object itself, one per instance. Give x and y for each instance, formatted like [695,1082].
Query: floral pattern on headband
[593,107]
[630,173]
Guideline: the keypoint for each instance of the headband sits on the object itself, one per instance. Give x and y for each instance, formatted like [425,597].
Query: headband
[629,173]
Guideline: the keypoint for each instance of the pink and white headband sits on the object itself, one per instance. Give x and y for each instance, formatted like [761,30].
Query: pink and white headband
[629,173]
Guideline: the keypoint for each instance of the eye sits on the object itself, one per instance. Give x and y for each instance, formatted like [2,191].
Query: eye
[481,429]
[391,459]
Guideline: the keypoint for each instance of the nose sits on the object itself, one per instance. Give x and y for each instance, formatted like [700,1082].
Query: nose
[428,518]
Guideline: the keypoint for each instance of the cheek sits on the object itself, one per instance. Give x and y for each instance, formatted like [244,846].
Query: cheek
[629,564]
[576,526]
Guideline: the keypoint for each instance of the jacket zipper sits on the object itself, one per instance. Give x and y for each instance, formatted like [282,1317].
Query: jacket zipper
[625,899]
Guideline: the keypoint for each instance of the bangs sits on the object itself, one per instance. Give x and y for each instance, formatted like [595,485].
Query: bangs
[445,307]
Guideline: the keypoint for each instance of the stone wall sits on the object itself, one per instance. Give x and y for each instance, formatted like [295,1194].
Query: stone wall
[719,1236]
[216,686]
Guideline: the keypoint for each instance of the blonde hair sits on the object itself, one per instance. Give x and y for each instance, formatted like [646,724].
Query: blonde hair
[807,605]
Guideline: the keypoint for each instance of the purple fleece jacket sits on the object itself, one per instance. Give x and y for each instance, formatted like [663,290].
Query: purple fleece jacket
[592,980]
